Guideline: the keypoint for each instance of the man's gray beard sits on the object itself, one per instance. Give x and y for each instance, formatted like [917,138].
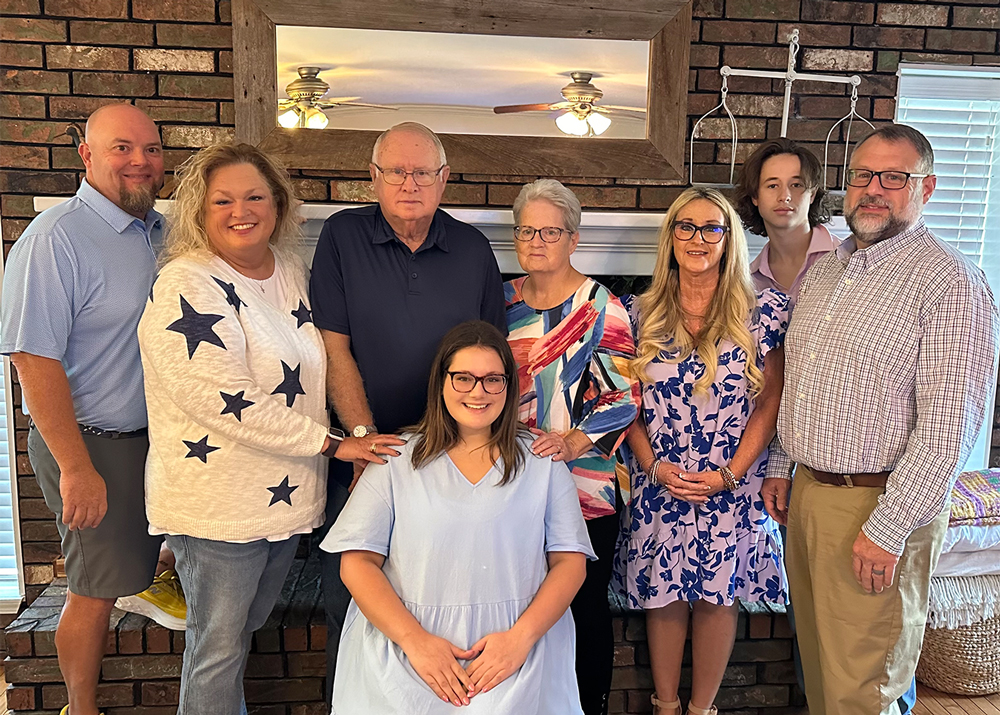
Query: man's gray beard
[890,227]
[139,201]
[893,225]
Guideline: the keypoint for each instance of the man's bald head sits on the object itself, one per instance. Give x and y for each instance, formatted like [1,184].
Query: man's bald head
[124,157]
[111,116]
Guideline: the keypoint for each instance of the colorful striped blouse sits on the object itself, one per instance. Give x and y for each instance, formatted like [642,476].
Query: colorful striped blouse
[573,370]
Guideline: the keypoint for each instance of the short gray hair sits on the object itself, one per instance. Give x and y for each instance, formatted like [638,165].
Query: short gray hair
[415,128]
[556,194]
[904,133]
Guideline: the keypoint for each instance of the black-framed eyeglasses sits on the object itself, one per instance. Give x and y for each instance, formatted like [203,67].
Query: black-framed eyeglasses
[891,180]
[710,233]
[421,177]
[493,383]
[549,234]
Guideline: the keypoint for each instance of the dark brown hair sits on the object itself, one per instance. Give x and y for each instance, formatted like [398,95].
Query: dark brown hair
[437,432]
[746,187]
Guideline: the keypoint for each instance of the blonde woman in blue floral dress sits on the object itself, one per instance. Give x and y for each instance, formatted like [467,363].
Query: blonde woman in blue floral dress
[695,533]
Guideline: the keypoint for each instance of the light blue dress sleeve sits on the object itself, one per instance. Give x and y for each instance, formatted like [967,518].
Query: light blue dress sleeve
[39,295]
[366,522]
[565,529]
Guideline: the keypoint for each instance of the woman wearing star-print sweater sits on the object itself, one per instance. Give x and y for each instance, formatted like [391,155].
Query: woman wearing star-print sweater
[235,377]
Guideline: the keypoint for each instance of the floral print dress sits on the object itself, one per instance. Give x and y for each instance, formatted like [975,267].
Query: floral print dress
[669,549]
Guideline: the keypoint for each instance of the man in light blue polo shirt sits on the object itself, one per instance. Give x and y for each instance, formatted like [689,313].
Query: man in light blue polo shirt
[76,284]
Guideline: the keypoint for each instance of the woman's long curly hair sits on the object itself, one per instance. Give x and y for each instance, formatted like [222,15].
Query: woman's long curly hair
[437,432]
[187,217]
[661,322]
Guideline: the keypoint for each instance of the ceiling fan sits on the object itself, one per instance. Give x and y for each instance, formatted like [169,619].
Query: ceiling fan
[304,107]
[584,117]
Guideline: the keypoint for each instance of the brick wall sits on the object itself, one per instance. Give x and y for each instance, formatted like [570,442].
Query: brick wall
[60,59]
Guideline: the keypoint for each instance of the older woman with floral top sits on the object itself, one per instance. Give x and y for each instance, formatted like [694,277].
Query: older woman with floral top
[572,342]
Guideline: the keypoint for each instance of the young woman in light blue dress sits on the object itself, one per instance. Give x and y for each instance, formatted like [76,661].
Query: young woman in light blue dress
[462,556]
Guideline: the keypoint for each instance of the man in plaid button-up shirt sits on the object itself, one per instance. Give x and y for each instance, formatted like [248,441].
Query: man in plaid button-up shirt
[889,356]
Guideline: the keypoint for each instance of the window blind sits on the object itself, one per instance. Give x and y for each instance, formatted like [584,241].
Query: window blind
[11,573]
[957,109]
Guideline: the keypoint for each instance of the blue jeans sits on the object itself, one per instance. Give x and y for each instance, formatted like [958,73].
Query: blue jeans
[336,597]
[230,591]
[908,699]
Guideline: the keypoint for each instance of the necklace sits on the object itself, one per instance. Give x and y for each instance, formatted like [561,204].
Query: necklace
[260,283]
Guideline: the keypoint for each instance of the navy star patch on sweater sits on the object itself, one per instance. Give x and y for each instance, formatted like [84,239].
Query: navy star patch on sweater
[282,492]
[196,328]
[302,314]
[290,386]
[230,290]
[235,404]
[200,449]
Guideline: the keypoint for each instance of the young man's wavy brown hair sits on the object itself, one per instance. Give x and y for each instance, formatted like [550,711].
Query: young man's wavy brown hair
[749,180]
[437,431]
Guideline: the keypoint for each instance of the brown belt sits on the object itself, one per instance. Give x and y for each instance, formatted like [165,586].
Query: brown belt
[876,479]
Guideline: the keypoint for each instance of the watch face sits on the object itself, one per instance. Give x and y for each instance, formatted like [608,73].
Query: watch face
[360,431]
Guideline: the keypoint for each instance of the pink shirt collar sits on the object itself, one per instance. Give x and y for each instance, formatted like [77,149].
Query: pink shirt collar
[820,244]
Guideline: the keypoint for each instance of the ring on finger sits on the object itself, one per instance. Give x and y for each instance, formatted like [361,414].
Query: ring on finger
[880,572]
[373,448]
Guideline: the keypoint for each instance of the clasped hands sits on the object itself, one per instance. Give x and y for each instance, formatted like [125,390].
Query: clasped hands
[693,487]
[494,659]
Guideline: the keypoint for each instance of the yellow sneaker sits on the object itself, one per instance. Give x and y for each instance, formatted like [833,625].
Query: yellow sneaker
[65,711]
[163,602]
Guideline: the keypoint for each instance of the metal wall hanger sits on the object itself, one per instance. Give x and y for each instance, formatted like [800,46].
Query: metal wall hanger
[847,138]
[789,76]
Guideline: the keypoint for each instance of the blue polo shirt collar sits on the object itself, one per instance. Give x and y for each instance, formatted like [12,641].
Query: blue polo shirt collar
[118,218]
[435,235]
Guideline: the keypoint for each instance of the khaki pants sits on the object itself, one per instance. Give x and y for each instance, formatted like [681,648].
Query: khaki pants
[859,650]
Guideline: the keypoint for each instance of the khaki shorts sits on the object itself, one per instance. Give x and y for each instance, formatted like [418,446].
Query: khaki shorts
[118,558]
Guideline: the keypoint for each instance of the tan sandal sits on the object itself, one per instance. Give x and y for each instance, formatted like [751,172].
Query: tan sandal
[659,705]
[712,710]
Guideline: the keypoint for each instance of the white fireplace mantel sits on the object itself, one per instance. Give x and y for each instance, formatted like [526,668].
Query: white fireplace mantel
[612,243]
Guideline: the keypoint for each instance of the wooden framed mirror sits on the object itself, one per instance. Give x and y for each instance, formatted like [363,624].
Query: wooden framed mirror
[664,24]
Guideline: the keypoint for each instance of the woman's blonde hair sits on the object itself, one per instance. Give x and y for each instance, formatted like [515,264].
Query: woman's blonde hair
[187,225]
[661,321]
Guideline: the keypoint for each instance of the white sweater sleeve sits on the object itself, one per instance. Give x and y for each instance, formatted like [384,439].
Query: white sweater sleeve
[194,345]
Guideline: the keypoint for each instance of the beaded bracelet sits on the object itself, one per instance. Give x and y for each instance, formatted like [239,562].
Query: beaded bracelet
[729,480]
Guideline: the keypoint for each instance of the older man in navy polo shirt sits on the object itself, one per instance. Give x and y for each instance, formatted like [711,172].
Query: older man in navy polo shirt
[75,287]
[388,281]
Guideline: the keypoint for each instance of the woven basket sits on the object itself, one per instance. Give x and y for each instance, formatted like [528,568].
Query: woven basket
[963,660]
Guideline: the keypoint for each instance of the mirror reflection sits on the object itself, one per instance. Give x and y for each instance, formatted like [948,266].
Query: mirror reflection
[459,83]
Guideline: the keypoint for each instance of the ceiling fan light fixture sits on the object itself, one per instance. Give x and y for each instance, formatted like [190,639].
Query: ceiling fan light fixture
[316,119]
[289,119]
[598,122]
[569,123]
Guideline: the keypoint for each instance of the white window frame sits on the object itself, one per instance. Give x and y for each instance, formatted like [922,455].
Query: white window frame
[12,605]
[964,83]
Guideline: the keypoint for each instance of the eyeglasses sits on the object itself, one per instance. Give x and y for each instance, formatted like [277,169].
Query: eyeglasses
[891,180]
[421,177]
[466,382]
[710,233]
[549,234]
